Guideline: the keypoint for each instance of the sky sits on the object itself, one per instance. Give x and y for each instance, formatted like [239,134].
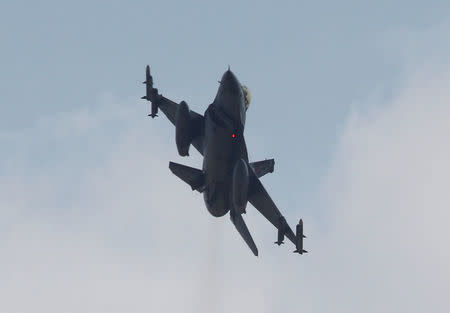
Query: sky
[351,98]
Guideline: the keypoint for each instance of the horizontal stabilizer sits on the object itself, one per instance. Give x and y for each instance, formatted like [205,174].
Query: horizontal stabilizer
[191,176]
[261,168]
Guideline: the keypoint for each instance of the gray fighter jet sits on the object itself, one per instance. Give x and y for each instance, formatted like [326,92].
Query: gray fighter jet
[227,180]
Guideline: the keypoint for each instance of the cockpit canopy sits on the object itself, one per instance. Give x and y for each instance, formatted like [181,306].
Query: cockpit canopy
[247,96]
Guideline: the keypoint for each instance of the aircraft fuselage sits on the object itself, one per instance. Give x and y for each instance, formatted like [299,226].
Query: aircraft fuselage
[224,144]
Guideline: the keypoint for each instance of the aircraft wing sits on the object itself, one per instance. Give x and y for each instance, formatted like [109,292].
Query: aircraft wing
[261,200]
[169,108]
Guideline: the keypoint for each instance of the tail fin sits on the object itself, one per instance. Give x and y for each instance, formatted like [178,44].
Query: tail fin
[241,227]
[191,176]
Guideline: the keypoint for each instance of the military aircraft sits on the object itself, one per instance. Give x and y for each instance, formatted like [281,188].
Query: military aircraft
[227,180]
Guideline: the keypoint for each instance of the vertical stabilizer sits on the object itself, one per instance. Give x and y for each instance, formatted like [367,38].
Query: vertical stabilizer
[239,223]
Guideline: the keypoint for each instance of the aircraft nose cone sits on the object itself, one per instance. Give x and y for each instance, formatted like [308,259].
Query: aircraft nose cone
[230,82]
[230,97]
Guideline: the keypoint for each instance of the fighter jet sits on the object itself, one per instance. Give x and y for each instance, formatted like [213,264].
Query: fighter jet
[227,179]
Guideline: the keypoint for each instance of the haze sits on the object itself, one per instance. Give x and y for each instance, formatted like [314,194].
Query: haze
[92,220]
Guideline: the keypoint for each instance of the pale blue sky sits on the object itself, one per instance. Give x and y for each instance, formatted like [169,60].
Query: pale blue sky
[304,61]
[75,141]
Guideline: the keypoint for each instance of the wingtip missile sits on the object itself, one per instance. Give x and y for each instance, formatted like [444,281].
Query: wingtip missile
[147,73]
[148,77]
[151,93]
[299,238]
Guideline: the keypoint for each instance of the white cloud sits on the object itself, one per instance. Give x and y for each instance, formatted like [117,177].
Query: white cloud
[118,232]
[389,200]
